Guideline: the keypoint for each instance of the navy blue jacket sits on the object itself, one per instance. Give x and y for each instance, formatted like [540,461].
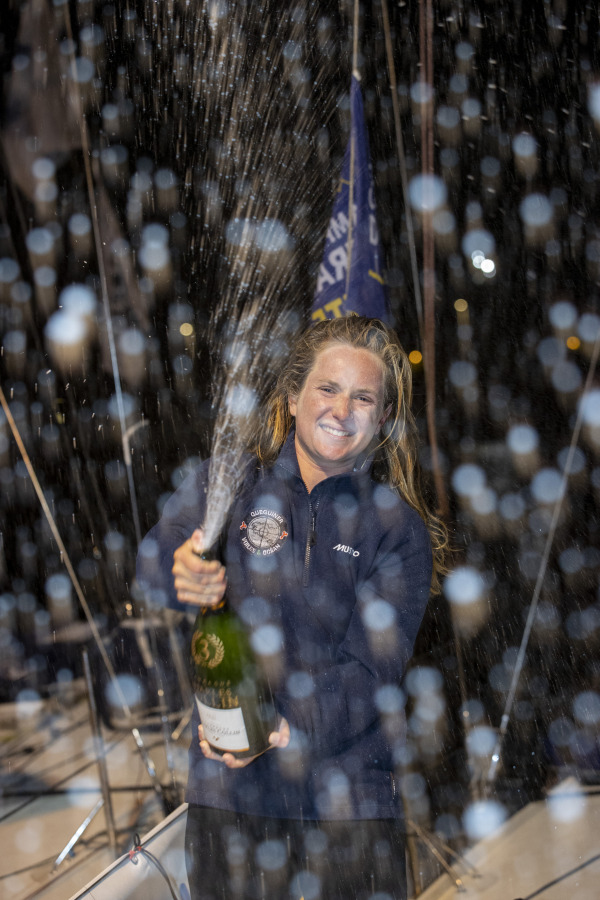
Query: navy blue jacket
[345,574]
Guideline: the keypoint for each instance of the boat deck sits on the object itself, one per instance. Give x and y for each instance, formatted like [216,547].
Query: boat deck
[51,784]
[550,849]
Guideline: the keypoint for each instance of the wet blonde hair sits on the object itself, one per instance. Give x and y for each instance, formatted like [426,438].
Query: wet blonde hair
[395,457]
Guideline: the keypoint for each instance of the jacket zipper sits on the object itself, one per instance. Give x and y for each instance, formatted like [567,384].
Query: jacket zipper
[310,540]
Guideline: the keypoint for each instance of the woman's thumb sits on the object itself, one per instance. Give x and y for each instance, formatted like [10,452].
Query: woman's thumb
[197,540]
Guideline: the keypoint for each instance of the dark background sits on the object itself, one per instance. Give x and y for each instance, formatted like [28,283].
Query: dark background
[250,131]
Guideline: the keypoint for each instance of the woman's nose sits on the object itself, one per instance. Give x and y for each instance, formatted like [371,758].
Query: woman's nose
[342,407]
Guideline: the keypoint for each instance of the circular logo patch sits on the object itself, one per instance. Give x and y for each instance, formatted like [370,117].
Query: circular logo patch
[263,532]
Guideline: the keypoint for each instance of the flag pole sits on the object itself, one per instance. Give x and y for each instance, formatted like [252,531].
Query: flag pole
[355,74]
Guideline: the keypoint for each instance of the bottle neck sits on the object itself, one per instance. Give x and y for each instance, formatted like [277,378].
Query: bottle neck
[217,608]
[208,555]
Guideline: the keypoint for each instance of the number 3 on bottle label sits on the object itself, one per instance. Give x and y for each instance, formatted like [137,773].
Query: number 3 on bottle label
[224,729]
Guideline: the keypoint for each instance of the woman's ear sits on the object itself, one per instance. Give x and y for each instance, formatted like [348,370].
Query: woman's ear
[292,404]
[384,416]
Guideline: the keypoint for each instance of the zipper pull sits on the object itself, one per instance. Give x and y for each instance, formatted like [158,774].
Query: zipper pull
[312,538]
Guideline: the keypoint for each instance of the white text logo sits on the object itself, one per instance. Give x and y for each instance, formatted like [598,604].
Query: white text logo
[344,548]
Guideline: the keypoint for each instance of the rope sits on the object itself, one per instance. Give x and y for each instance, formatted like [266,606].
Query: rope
[139,848]
[80,595]
[492,771]
[85,148]
[425,319]
[426,52]
[402,160]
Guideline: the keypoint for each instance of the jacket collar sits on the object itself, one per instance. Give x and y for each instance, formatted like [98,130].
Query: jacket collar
[289,461]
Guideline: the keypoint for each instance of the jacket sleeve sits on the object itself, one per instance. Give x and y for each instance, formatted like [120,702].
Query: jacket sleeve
[390,604]
[182,513]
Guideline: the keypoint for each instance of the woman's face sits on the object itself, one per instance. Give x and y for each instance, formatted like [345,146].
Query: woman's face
[339,409]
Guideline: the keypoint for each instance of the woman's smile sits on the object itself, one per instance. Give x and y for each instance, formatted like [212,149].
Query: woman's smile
[335,431]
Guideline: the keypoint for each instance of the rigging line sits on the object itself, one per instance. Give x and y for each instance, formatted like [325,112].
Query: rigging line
[24,771]
[20,773]
[434,850]
[462,688]
[427,318]
[542,571]
[89,177]
[429,79]
[563,877]
[138,847]
[11,212]
[66,560]
[402,160]
[355,74]
[426,55]
[32,797]
[54,876]
[14,747]
[427,338]
[76,792]
[355,36]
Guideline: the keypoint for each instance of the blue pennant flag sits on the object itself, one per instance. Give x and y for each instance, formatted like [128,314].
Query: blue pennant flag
[361,290]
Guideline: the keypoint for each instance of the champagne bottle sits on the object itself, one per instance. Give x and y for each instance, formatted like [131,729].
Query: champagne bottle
[234,702]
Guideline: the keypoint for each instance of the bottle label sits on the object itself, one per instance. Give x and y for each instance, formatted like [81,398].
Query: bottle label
[224,729]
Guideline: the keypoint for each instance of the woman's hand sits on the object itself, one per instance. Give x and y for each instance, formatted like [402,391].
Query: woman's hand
[199,582]
[280,738]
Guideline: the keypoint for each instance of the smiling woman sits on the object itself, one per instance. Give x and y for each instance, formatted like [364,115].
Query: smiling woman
[393,448]
[343,580]
[338,412]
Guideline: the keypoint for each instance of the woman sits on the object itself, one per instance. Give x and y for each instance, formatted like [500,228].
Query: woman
[330,540]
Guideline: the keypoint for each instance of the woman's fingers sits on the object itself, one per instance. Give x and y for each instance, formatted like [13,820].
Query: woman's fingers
[280,738]
[202,588]
[186,559]
[192,598]
[196,580]
[228,759]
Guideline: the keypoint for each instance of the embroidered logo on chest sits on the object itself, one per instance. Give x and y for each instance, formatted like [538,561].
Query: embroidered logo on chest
[263,532]
[344,548]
